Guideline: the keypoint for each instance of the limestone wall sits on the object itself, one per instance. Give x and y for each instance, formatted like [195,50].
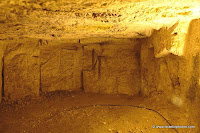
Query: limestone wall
[168,75]
[113,69]
[33,66]
[21,69]
[176,76]
[60,67]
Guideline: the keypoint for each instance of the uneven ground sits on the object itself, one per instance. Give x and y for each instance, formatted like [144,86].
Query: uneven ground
[91,113]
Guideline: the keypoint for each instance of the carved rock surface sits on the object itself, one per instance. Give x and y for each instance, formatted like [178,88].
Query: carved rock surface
[114,69]
[60,67]
[21,69]
[177,77]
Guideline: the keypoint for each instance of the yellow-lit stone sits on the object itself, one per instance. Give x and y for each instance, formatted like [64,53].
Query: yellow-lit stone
[145,48]
[21,69]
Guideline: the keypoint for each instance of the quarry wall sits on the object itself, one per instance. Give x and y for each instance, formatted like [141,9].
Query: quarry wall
[170,65]
[33,66]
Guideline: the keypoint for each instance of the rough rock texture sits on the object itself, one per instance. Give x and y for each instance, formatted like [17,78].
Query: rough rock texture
[162,75]
[170,40]
[108,68]
[60,67]
[21,69]
[193,53]
[177,77]
[94,18]
[31,66]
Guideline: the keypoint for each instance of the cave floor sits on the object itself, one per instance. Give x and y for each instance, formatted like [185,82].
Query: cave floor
[62,112]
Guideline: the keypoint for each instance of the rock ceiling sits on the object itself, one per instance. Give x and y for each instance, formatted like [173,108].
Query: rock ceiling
[76,19]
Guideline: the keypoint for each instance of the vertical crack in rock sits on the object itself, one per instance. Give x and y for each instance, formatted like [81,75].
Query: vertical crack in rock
[178,81]
[40,91]
[82,85]
[92,56]
[94,62]
[191,94]
[173,85]
[99,67]
[2,75]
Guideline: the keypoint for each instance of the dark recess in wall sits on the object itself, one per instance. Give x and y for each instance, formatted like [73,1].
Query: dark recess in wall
[2,75]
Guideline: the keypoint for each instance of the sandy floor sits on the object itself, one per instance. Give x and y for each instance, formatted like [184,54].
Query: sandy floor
[63,112]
